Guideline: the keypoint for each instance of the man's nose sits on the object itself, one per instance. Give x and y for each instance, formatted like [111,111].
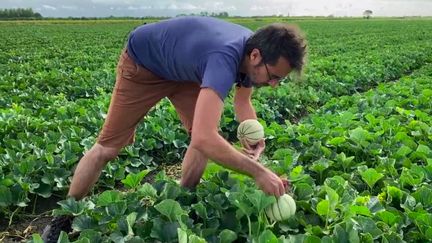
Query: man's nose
[273,83]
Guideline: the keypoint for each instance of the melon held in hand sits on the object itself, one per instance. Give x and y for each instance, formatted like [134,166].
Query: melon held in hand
[282,209]
[251,131]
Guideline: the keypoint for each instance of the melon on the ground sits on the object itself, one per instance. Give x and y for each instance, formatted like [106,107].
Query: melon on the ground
[284,208]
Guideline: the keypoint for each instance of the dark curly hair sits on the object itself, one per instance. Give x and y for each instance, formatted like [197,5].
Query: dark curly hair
[279,39]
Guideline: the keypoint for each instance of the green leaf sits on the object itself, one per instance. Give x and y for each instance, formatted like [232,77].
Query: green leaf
[227,236]
[320,165]
[182,235]
[147,190]
[301,238]
[303,191]
[116,209]
[423,149]
[413,176]
[211,169]
[427,93]
[237,198]
[403,151]
[368,225]
[108,197]
[26,167]
[267,236]
[132,180]
[134,239]
[366,238]
[409,203]
[5,196]
[164,231]
[285,157]
[170,209]
[71,206]
[84,222]
[196,239]
[353,236]
[332,196]
[371,176]
[19,196]
[428,233]
[200,210]
[312,239]
[260,200]
[392,237]
[406,140]
[44,190]
[171,191]
[362,210]
[117,237]
[323,208]
[424,196]
[63,238]
[389,218]
[130,219]
[345,161]
[230,221]
[360,136]
[340,234]
[7,182]
[336,141]
[394,193]
[91,235]
[423,221]
[36,238]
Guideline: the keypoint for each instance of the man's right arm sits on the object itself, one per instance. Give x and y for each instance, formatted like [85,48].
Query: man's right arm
[206,139]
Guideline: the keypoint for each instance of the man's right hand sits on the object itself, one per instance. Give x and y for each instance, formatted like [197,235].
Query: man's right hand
[270,183]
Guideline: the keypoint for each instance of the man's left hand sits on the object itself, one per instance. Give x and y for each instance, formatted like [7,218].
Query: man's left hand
[253,151]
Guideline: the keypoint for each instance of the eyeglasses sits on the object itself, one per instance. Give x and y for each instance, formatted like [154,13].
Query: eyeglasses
[271,76]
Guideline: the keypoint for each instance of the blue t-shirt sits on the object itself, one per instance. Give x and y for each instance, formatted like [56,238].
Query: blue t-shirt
[199,49]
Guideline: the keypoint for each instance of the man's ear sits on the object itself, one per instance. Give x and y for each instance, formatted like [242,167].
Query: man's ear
[255,57]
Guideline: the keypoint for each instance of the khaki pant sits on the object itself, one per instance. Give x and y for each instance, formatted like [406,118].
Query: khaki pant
[136,91]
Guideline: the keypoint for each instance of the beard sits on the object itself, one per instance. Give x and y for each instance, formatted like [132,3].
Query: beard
[259,85]
[253,77]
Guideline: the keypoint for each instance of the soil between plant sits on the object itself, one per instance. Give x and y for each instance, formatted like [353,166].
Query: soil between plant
[29,224]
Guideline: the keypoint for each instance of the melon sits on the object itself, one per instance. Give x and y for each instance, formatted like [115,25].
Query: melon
[284,208]
[250,130]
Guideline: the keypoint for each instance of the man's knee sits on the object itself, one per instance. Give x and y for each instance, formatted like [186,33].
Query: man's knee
[106,153]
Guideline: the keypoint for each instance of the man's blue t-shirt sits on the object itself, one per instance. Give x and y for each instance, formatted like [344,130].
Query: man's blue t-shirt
[200,49]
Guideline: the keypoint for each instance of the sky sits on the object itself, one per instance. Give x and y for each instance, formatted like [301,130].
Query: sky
[141,8]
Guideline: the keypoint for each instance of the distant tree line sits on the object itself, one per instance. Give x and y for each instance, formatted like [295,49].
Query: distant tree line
[19,13]
[205,13]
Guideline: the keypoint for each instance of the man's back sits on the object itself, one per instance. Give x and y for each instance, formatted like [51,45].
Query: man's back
[178,48]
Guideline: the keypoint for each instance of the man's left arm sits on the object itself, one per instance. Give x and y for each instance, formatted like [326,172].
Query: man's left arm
[244,110]
[243,105]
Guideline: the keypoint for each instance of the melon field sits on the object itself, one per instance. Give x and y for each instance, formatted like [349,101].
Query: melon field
[354,139]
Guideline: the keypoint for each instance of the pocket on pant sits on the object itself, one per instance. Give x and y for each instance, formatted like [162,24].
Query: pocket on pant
[128,68]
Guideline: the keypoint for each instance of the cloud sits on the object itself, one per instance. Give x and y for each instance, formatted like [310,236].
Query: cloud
[219,6]
[259,8]
[117,2]
[49,7]
[136,8]
[182,6]
[68,7]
